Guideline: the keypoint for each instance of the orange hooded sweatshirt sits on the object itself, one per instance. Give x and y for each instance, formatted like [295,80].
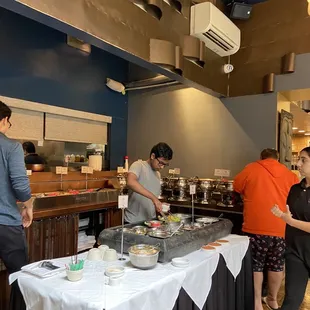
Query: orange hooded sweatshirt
[263,184]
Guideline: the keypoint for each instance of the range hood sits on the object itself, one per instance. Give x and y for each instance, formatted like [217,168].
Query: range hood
[140,78]
[152,34]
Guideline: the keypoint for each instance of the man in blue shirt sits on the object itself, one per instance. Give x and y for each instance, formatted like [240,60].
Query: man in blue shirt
[14,186]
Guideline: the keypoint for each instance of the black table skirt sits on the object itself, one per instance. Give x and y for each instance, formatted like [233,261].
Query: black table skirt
[225,293]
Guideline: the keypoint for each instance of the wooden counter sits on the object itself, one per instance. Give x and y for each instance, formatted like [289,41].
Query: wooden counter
[71,209]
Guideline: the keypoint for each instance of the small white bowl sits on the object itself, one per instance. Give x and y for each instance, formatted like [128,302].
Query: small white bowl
[115,271]
[74,275]
[110,255]
[115,281]
[94,255]
[102,249]
[165,207]
[180,262]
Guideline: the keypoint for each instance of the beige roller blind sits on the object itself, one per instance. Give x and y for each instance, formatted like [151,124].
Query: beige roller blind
[26,125]
[71,129]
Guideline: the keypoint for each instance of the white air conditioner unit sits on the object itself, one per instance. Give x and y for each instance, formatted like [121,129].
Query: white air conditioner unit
[215,29]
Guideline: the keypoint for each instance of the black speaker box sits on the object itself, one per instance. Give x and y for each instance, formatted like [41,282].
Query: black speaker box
[241,11]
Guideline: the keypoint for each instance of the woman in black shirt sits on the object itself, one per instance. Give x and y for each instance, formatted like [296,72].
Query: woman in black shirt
[297,235]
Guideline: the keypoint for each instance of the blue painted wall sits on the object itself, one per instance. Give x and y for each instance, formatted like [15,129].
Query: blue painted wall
[37,65]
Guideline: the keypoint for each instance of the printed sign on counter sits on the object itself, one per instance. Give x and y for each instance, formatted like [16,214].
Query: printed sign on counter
[192,189]
[58,170]
[222,173]
[61,170]
[29,172]
[177,170]
[84,169]
[87,170]
[123,201]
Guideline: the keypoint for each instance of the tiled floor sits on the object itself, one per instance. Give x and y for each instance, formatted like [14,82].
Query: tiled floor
[306,303]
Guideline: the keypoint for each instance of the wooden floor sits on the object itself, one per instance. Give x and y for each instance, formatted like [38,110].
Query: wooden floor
[306,303]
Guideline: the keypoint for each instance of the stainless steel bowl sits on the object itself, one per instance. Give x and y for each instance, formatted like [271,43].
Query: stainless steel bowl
[35,167]
[126,230]
[185,218]
[198,225]
[207,220]
[172,226]
[140,258]
[139,230]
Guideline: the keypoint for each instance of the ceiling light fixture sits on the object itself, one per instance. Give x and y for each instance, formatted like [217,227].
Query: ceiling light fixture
[295,128]
[307,134]
[301,131]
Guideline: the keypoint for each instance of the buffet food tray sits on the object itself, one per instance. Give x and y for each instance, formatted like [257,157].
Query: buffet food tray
[104,195]
[170,247]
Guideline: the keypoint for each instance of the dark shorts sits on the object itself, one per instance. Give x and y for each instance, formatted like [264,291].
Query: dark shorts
[267,253]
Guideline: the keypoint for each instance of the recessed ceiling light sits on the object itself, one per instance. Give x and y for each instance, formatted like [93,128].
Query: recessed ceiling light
[307,134]
[295,128]
[301,131]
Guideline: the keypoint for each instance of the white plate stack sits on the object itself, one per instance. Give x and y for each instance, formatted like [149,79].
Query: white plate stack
[180,262]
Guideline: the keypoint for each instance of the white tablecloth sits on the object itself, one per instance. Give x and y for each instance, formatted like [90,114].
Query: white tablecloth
[155,289]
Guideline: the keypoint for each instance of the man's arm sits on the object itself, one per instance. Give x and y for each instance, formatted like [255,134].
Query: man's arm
[20,182]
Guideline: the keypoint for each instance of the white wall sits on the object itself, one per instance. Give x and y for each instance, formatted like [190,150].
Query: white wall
[204,132]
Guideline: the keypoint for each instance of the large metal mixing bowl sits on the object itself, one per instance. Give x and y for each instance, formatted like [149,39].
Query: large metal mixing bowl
[35,167]
[143,261]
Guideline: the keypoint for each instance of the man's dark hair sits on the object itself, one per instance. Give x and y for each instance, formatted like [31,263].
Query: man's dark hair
[162,150]
[269,153]
[29,147]
[5,111]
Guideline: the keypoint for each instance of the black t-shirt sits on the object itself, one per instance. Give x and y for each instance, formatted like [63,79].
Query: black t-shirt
[34,159]
[298,241]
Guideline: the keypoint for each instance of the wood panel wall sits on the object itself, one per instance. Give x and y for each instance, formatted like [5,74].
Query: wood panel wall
[276,28]
[218,3]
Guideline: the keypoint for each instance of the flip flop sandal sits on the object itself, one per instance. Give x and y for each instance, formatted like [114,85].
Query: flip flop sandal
[269,307]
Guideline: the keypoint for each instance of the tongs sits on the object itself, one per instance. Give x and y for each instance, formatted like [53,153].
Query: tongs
[48,265]
[164,216]
[176,230]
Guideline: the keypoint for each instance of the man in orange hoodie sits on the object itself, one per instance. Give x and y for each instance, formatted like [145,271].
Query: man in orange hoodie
[263,184]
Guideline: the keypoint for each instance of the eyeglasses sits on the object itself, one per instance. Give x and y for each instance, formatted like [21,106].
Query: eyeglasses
[162,163]
[10,124]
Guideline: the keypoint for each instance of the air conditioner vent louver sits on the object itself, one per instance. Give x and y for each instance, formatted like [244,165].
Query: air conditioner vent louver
[211,35]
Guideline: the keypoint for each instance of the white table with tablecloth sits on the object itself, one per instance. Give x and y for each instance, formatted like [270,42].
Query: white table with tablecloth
[153,289]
